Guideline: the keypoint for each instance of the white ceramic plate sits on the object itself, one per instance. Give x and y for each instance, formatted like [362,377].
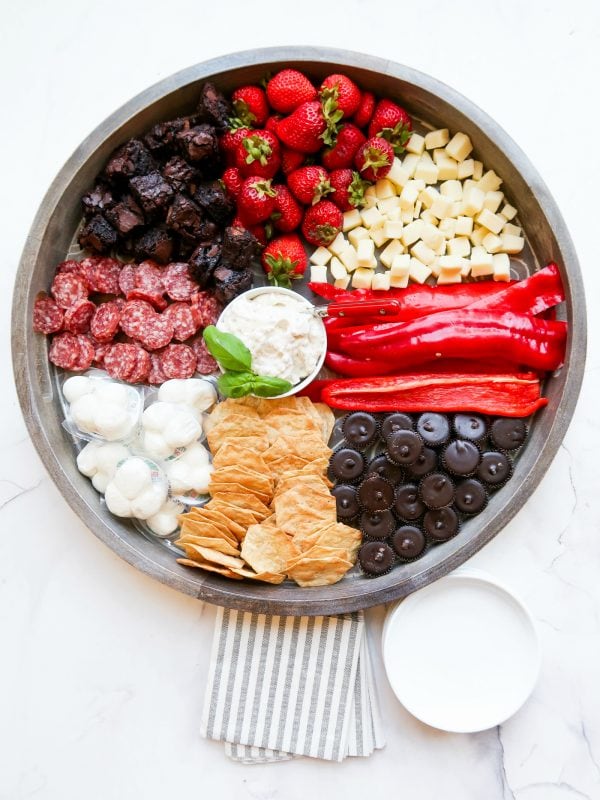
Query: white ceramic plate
[461,654]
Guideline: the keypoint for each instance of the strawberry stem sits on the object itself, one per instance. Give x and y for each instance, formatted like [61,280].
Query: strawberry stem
[257,149]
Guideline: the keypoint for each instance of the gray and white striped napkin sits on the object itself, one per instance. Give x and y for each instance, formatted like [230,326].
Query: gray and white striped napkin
[285,686]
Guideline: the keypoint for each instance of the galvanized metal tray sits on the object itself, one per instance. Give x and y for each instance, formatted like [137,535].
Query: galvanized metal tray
[53,230]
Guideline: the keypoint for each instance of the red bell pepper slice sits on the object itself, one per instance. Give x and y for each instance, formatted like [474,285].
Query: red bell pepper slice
[369,367]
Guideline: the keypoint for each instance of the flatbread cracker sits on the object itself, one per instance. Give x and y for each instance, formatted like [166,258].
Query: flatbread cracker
[267,549]
[319,571]
[187,562]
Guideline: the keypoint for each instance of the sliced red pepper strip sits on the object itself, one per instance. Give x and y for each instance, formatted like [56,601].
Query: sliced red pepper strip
[534,294]
[314,389]
[510,395]
[367,367]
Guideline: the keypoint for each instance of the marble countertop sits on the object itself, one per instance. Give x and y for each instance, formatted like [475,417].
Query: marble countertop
[102,670]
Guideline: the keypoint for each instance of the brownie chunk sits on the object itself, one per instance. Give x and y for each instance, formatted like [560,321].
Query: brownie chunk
[97,200]
[198,143]
[152,192]
[228,283]
[240,248]
[126,215]
[185,217]
[129,160]
[213,198]
[98,235]
[203,262]
[161,138]
[214,107]
[179,173]
[156,244]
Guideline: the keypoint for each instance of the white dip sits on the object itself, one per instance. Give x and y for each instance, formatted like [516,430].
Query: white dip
[282,333]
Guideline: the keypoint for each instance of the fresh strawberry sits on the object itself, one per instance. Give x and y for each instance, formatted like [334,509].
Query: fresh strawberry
[232,178]
[250,105]
[343,91]
[289,89]
[288,214]
[229,143]
[349,189]
[391,122]
[256,200]
[272,123]
[291,160]
[374,159]
[341,155]
[258,153]
[363,115]
[309,184]
[322,223]
[310,126]
[284,260]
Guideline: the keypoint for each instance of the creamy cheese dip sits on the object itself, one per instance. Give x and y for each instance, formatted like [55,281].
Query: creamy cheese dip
[284,336]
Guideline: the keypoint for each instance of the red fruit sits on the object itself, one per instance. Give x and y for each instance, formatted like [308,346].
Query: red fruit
[256,200]
[284,260]
[341,155]
[250,104]
[258,153]
[288,214]
[343,91]
[349,189]
[229,143]
[272,123]
[374,159]
[391,122]
[309,184]
[289,89]
[291,160]
[232,178]
[309,127]
[365,110]
[322,223]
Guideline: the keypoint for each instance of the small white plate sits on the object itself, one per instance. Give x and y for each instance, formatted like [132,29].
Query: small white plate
[462,654]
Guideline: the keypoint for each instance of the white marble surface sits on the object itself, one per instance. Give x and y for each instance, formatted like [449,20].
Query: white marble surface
[102,670]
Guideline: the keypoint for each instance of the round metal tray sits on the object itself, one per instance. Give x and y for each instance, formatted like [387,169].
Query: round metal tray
[53,230]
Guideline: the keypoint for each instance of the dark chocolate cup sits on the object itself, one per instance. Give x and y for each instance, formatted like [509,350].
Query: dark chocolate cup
[453,472]
[363,445]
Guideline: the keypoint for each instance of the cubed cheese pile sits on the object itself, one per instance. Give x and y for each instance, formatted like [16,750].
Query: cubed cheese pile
[436,213]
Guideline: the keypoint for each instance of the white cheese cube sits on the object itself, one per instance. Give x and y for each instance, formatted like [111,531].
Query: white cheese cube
[418,207]
[509,212]
[400,264]
[460,246]
[342,283]
[492,243]
[388,204]
[371,217]
[447,169]
[398,175]
[320,256]
[381,281]
[466,270]
[394,248]
[472,199]
[399,281]
[412,232]
[427,171]
[482,263]
[410,164]
[378,235]
[362,278]
[458,208]
[349,258]
[459,146]
[338,270]
[395,214]
[451,263]
[464,226]
[365,251]
[493,222]
[338,244]
[432,236]
[478,235]
[351,220]
[428,196]
[446,278]
[423,253]
[452,189]
[514,230]
[447,227]
[428,217]
[441,207]
[441,250]
[416,144]
[477,170]
[384,188]
[501,267]
[406,217]
[393,230]
[370,197]
[490,182]
[418,272]
[465,169]
[318,273]
[426,158]
[408,195]
[356,234]
[435,139]
[439,155]
[510,244]
[435,267]
[373,262]
[493,200]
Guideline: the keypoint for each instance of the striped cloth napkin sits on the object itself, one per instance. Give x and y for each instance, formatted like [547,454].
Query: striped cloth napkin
[285,686]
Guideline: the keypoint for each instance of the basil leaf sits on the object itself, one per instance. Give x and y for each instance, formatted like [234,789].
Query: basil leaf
[230,352]
[265,386]
[236,384]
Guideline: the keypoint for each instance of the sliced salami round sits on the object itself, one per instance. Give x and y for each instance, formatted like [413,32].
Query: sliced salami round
[84,269]
[142,366]
[79,316]
[149,277]
[127,279]
[178,282]
[205,363]
[105,322]
[47,316]
[120,360]
[136,316]
[180,315]
[155,299]
[205,308]
[156,333]
[100,349]
[68,289]
[106,275]
[156,375]
[86,354]
[178,361]
[65,350]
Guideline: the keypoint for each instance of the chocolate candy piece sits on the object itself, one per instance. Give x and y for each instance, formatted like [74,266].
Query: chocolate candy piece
[507,433]
[360,429]
[377,524]
[441,524]
[381,466]
[436,490]
[407,505]
[376,558]
[345,501]
[470,426]
[394,423]
[494,468]
[409,542]
[404,447]
[375,494]
[470,496]
[461,457]
[346,464]
[433,428]
[425,463]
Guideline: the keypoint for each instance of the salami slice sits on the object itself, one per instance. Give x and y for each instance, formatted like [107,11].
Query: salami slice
[180,316]
[155,299]
[84,269]
[86,354]
[68,289]
[156,333]
[156,375]
[47,316]
[106,275]
[136,316]
[142,366]
[149,277]
[205,308]
[105,322]
[127,279]
[65,350]
[79,316]
[100,349]
[120,360]
[178,361]
[178,282]
[205,363]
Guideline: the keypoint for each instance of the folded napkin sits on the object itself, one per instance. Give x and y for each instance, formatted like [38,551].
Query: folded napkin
[284,686]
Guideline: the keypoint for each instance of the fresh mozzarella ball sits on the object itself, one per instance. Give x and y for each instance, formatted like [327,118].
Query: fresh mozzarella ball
[182,429]
[191,471]
[87,460]
[149,501]
[133,477]
[165,522]
[115,393]
[112,420]
[197,393]
[75,387]
[116,502]
[168,426]
[108,458]
[83,412]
